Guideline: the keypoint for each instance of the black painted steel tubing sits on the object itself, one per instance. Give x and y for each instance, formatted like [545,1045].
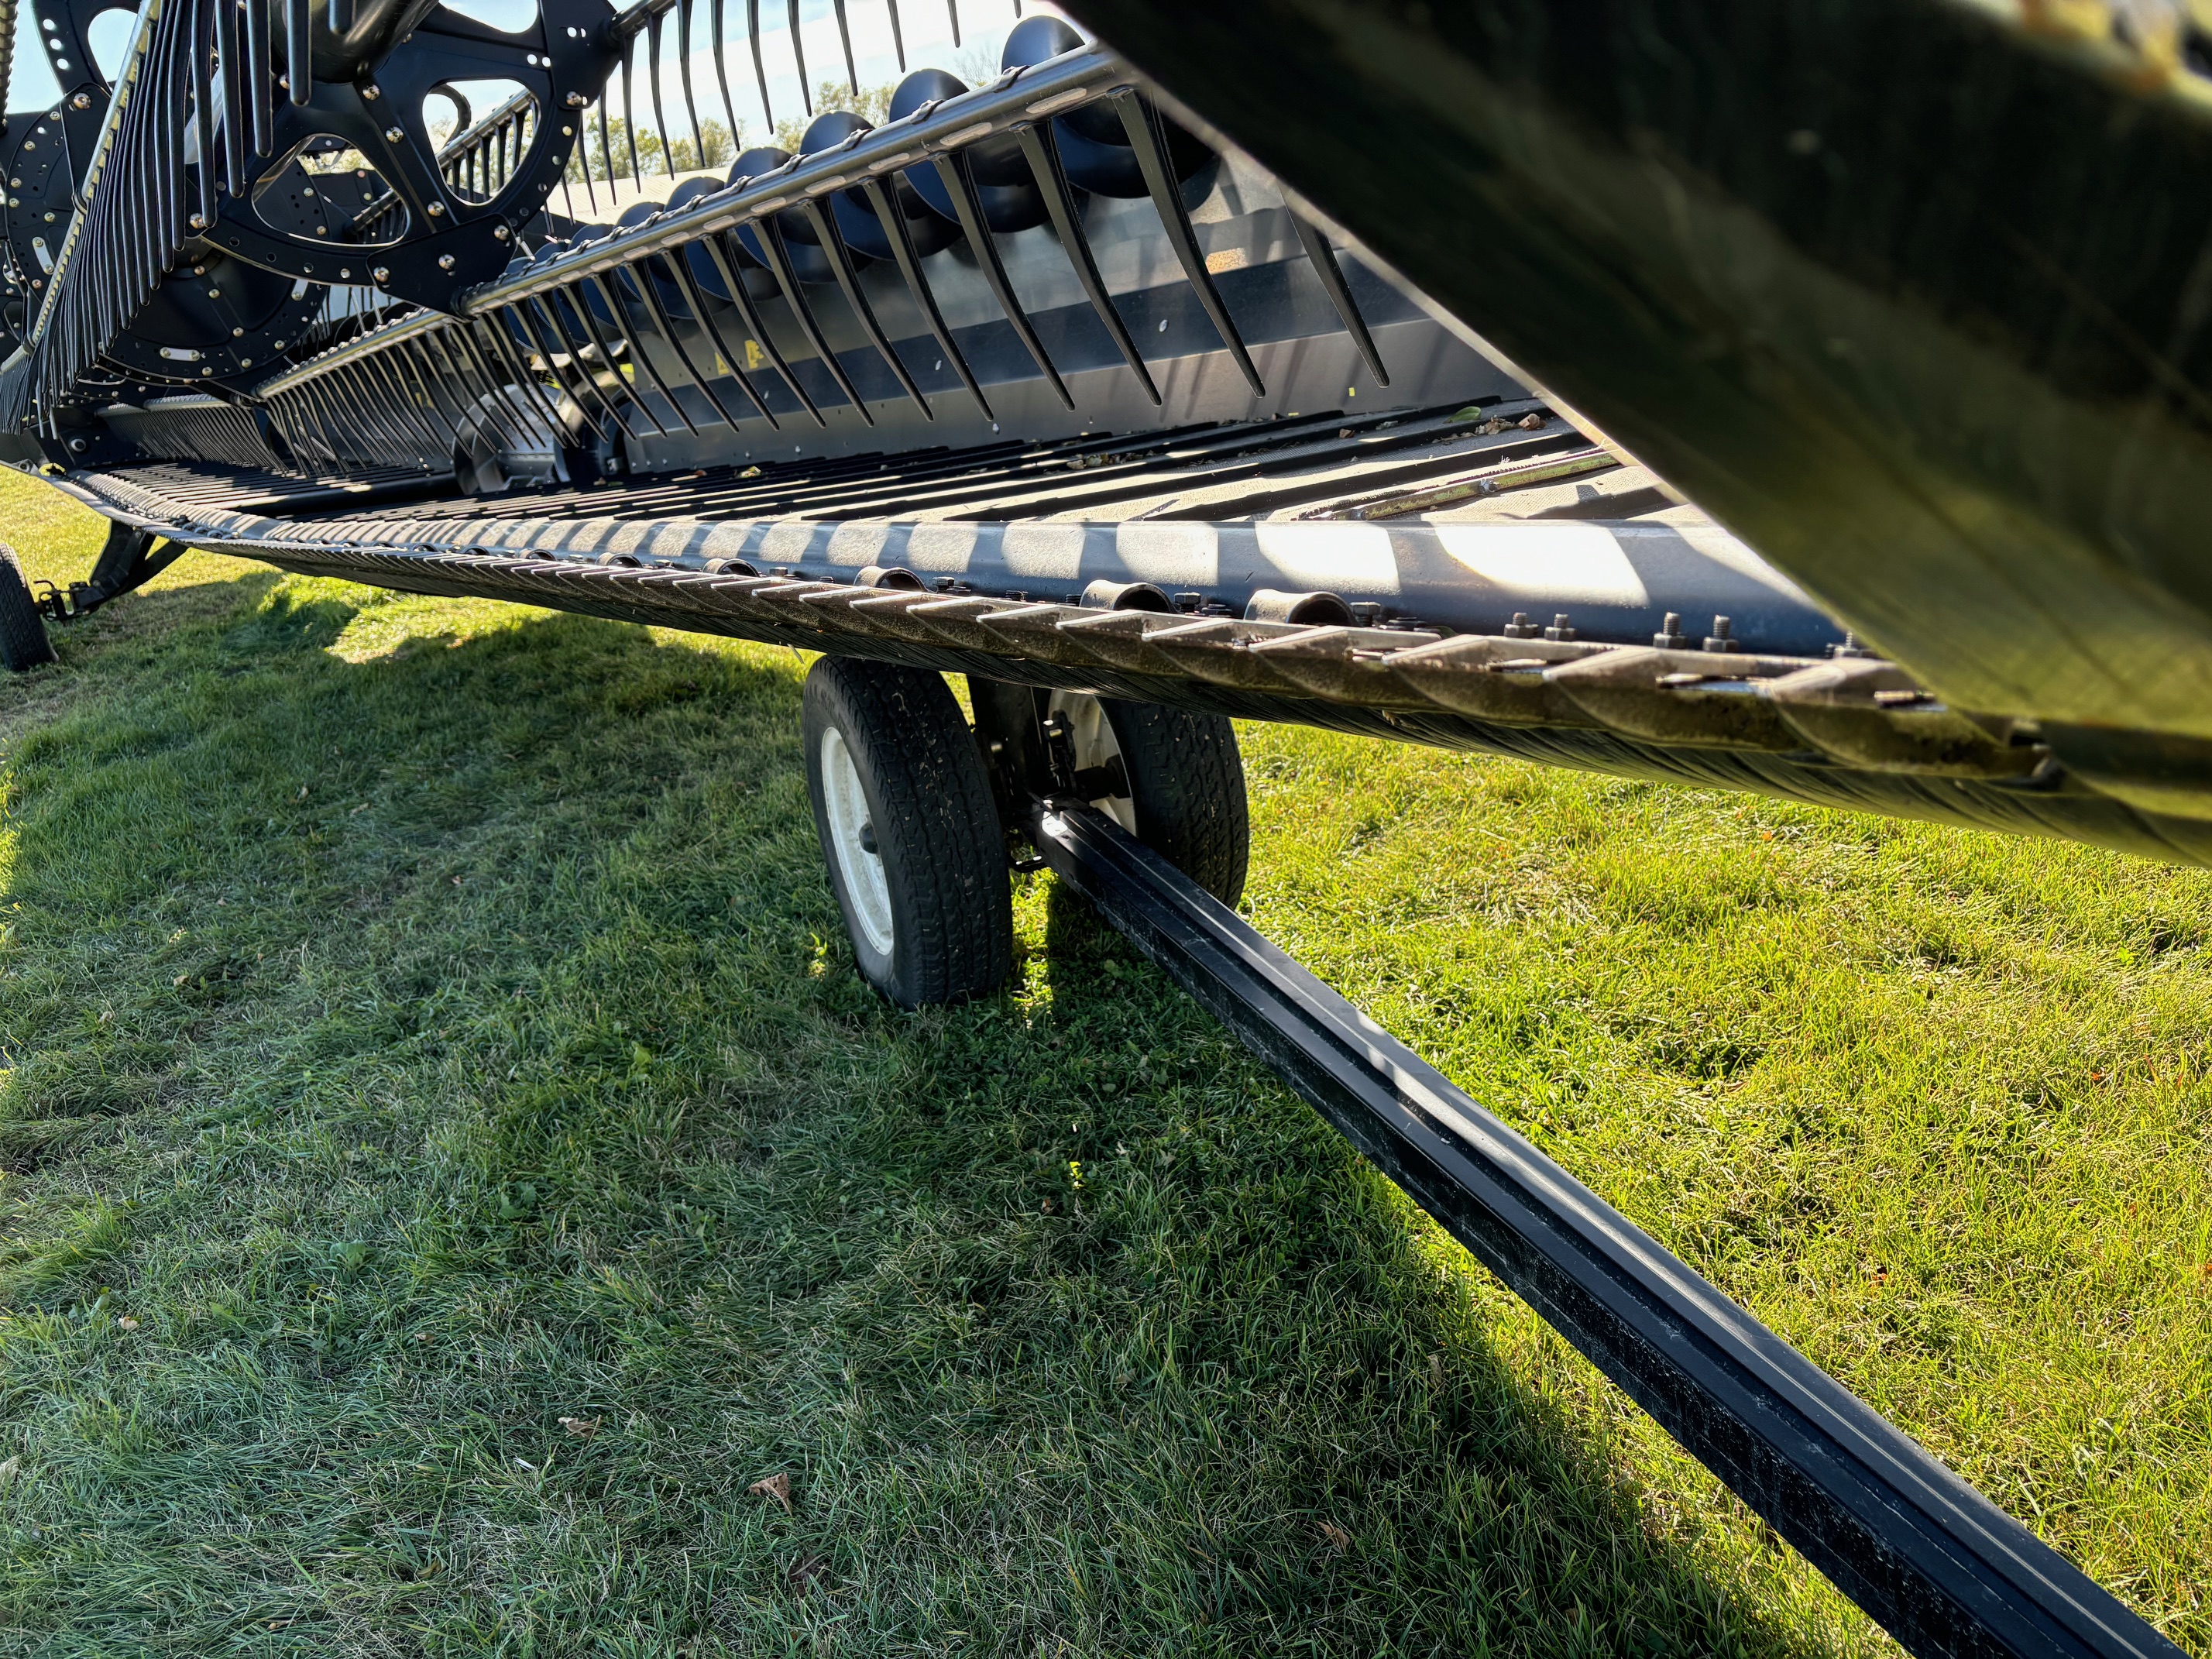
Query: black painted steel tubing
[1936,1564]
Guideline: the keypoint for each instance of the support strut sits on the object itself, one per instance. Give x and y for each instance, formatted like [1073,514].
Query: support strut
[1941,1568]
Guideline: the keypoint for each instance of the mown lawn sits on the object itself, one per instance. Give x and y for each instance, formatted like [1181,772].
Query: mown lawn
[449,1161]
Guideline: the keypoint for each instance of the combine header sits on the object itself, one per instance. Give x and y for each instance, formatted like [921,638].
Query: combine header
[1047,382]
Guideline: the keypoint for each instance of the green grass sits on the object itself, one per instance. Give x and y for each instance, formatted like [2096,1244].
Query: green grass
[426,1021]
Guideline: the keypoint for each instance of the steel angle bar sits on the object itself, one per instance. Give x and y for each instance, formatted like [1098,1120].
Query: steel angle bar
[1941,1568]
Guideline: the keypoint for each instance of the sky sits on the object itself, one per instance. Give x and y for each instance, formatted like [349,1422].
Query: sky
[926,25]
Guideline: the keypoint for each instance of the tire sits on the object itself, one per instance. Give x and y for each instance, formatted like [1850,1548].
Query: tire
[1182,780]
[903,808]
[23,641]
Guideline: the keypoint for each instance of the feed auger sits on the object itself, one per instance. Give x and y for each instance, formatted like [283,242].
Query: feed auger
[1146,391]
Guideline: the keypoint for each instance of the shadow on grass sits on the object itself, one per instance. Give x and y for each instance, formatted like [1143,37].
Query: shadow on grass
[451,1067]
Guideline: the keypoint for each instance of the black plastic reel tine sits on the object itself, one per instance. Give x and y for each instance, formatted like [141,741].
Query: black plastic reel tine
[205,105]
[898,35]
[1139,121]
[526,378]
[684,69]
[258,72]
[666,324]
[404,367]
[461,383]
[349,414]
[461,341]
[917,284]
[575,303]
[629,113]
[714,18]
[638,354]
[341,16]
[1042,151]
[953,170]
[380,370]
[521,312]
[482,397]
[726,269]
[848,283]
[1322,257]
[382,427]
[639,357]
[581,369]
[234,98]
[760,64]
[798,53]
[845,35]
[513,370]
[607,144]
[697,300]
[779,261]
[660,115]
[952,11]
[298,64]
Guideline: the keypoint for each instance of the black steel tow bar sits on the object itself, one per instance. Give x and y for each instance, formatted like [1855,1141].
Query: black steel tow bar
[1938,1565]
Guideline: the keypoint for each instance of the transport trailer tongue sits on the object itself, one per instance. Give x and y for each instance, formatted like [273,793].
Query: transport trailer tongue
[1049,383]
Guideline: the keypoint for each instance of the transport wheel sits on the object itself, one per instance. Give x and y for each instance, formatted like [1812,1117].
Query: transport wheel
[903,807]
[1172,779]
[23,642]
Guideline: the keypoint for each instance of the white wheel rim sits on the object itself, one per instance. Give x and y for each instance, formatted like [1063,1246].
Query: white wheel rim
[1091,734]
[866,887]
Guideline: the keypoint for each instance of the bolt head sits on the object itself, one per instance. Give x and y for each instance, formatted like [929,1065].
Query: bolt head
[499,232]
[372,91]
[444,262]
[437,208]
[83,101]
[382,273]
[393,135]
